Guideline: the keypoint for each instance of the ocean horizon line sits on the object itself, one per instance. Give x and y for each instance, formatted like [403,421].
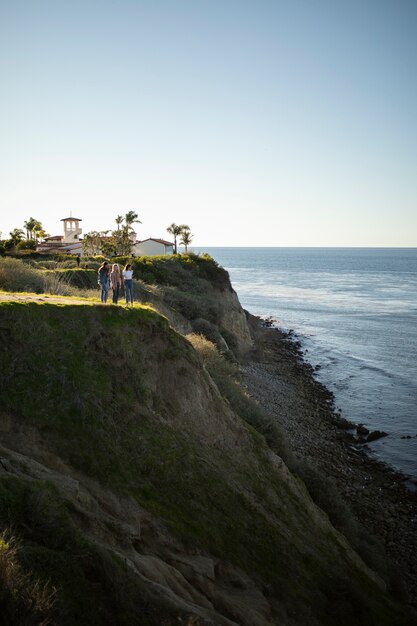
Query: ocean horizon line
[309,247]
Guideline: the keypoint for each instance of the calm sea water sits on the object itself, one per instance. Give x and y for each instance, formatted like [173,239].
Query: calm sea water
[355,311]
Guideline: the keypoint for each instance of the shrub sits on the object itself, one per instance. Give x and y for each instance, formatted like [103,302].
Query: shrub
[26,244]
[47,265]
[216,365]
[226,376]
[22,599]
[18,276]
[151,270]
[189,305]
[122,260]
[210,331]
[230,338]
[90,265]
[57,284]
[76,277]
[187,272]
[42,256]
[207,268]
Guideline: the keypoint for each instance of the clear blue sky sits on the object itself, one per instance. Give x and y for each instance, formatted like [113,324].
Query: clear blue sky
[261,123]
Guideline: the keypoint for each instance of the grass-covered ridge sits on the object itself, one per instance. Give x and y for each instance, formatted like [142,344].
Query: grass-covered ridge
[188,287]
[125,400]
[184,271]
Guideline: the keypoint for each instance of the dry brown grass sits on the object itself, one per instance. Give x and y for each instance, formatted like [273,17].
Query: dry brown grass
[22,599]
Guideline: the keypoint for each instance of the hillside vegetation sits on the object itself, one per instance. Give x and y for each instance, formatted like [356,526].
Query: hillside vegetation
[135,490]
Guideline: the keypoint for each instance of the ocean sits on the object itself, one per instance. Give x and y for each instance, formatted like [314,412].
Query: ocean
[355,312]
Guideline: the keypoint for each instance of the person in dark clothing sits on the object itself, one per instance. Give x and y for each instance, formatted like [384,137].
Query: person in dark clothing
[104,280]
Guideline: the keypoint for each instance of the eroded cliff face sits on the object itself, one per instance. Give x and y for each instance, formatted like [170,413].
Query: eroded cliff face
[233,319]
[196,295]
[130,481]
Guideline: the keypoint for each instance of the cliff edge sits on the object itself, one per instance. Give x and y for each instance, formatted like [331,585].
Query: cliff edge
[132,492]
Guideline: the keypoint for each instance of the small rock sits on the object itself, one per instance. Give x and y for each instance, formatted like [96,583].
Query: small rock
[362,430]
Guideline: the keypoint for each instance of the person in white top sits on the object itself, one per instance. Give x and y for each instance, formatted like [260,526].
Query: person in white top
[128,280]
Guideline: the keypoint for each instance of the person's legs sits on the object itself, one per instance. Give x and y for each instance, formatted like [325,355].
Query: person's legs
[115,294]
[131,291]
[105,292]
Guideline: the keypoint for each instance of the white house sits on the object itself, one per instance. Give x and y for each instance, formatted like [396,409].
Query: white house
[69,242]
[152,247]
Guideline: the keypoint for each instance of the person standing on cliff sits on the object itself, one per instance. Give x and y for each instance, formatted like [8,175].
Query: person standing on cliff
[104,280]
[128,280]
[115,282]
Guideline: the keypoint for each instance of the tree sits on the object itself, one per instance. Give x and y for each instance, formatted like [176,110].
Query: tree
[92,243]
[131,218]
[26,244]
[40,234]
[122,241]
[186,238]
[38,231]
[29,225]
[16,235]
[34,229]
[176,230]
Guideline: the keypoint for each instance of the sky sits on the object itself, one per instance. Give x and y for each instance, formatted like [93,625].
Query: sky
[257,123]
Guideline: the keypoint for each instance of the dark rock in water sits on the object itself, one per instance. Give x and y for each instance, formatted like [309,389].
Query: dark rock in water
[362,430]
[343,423]
[268,322]
[406,437]
[376,434]
[361,440]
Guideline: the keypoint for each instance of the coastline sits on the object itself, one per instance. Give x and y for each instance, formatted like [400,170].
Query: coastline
[282,381]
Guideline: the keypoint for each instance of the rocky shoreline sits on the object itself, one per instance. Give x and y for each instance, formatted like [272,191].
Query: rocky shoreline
[280,379]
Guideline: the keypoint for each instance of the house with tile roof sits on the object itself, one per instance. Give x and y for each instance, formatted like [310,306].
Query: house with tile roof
[152,247]
[69,242]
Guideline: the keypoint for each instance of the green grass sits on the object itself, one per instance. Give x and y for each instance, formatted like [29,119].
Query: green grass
[90,378]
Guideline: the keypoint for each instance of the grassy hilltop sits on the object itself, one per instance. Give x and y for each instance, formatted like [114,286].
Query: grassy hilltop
[135,484]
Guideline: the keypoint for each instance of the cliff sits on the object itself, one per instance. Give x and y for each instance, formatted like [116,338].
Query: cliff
[131,492]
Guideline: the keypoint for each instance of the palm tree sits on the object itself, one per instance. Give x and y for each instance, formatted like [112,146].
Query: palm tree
[130,218]
[186,238]
[41,234]
[176,229]
[29,225]
[37,230]
[16,235]
[119,221]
